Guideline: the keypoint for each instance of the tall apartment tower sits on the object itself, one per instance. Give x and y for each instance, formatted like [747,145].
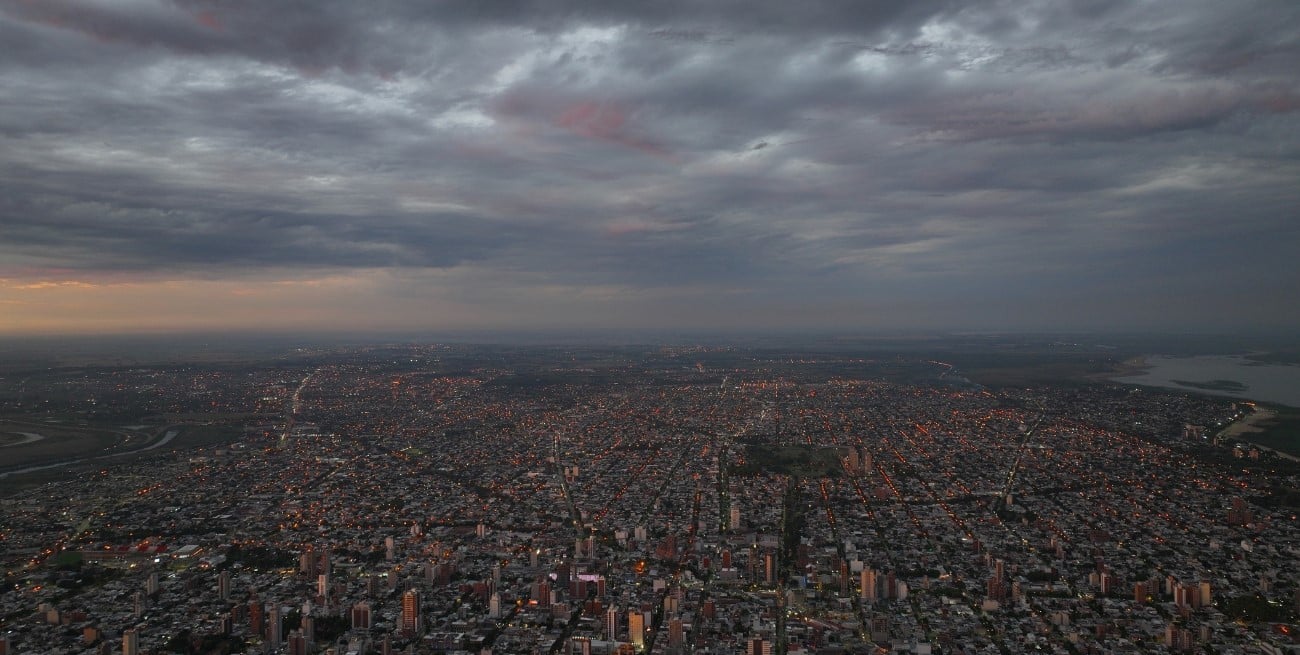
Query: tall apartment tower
[273,626]
[580,646]
[867,584]
[676,633]
[636,628]
[130,642]
[411,624]
[297,643]
[307,562]
[361,616]
[611,623]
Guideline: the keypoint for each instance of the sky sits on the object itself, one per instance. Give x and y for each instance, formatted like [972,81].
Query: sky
[391,165]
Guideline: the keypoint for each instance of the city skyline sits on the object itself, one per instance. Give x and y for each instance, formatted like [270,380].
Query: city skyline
[438,498]
[197,166]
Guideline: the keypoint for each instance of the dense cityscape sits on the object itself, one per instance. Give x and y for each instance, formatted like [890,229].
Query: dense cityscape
[450,499]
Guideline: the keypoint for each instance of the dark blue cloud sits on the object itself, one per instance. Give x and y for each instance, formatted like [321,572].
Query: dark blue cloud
[844,156]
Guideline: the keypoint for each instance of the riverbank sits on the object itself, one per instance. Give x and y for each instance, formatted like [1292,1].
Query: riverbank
[1248,424]
[1131,367]
[1267,429]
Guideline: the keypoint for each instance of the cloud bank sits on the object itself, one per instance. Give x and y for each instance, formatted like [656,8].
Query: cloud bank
[194,164]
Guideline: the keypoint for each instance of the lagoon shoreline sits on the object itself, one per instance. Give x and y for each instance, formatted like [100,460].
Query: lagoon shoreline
[1214,375]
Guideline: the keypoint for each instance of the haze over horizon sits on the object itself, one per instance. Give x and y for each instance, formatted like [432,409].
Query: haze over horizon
[193,165]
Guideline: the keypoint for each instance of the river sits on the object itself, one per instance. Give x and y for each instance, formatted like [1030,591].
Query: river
[171,434]
[1222,375]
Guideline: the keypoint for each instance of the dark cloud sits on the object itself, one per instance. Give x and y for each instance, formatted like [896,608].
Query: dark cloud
[666,159]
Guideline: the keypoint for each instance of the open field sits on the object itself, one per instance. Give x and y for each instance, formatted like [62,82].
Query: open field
[798,461]
[1025,369]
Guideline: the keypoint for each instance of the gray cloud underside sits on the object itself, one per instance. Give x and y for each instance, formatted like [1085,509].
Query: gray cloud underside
[820,149]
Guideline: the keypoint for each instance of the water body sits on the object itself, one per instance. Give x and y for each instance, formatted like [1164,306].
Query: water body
[171,434]
[1223,375]
[27,437]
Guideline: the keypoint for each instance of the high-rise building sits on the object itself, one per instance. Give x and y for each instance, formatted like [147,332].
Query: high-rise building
[223,585]
[676,633]
[636,628]
[273,626]
[867,584]
[411,624]
[494,606]
[361,616]
[611,623]
[256,620]
[671,604]
[880,627]
[130,642]
[297,643]
[580,646]
[995,589]
[307,562]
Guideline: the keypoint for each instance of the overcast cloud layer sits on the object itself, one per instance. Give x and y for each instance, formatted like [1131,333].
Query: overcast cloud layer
[743,164]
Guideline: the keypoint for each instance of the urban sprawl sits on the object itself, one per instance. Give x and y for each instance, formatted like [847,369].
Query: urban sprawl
[685,502]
